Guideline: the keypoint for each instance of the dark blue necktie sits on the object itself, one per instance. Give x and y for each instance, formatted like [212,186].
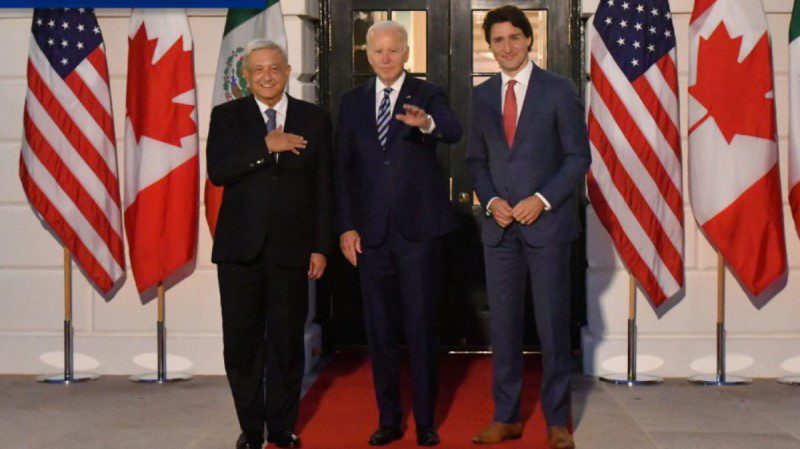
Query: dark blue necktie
[272,120]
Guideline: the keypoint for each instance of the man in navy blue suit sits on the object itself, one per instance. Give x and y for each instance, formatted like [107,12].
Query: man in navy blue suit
[528,152]
[392,209]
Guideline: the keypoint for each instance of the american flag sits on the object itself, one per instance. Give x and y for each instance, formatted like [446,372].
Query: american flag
[635,181]
[68,162]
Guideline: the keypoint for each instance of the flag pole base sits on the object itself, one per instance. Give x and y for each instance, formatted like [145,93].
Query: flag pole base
[715,380]
[793,380]
[639,379]
[60,378]
[155,378]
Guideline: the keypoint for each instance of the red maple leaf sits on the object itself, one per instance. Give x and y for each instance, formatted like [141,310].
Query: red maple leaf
[152,88]
[735,93]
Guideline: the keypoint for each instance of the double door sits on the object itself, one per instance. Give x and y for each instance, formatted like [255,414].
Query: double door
[446,47]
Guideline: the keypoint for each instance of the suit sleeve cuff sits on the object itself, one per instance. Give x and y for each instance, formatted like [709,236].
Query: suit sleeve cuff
[544,200]
[430,127]
[488,204]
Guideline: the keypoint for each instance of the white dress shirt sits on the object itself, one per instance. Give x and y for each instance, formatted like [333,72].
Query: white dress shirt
[280,114]
[523,78]
[379,86]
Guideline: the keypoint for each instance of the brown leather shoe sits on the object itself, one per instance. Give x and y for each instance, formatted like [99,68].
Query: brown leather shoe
[497,432]
[560,438]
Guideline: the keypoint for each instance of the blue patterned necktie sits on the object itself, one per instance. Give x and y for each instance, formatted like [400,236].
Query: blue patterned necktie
[384,115]
[272,121]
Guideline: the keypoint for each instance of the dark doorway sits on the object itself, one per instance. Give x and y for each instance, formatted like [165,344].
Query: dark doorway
[447,48]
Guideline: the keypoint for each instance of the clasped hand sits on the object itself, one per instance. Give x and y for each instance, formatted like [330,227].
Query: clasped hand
[525,212]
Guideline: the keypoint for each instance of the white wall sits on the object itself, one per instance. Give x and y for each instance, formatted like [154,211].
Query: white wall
[111,335]
[761,342]
[117,336]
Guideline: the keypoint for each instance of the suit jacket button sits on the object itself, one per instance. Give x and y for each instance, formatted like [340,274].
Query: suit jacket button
[385,162]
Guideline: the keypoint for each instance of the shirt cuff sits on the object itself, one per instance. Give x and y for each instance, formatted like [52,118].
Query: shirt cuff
[430,128]
[544,200]
[489,204]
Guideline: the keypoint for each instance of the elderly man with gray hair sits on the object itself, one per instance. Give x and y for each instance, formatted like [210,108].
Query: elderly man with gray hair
[392,210]
[272,154]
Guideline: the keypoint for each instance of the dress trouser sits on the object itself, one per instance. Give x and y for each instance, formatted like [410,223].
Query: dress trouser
[507,265]
[264,309]
[400,286]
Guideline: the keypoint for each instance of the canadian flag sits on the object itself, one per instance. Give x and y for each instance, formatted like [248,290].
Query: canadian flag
[161,163]
[733,152]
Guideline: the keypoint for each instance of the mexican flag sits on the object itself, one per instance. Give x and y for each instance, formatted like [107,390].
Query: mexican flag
[241,26]
[794,114]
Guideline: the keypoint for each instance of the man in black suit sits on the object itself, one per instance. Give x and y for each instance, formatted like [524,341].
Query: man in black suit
[271,152]
[392,209]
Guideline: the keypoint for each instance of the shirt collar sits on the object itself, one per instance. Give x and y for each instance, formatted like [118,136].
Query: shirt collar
[522,77]
[280,106]
[398,83]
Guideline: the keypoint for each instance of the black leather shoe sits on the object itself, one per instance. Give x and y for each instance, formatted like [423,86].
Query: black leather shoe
[427,437]
[385,435]
[243,443]
[284,439]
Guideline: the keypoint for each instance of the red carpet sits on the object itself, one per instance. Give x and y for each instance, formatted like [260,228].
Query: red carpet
[339,411]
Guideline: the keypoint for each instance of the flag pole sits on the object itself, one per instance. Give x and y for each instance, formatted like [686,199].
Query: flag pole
[161,376]
[721,377]
[631,378]
[68,376]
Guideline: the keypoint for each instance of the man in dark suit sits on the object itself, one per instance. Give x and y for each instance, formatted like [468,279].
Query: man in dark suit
[271,152]
[392,209]
[528,152]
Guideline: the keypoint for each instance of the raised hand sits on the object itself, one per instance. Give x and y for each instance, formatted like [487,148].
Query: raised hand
[414,117]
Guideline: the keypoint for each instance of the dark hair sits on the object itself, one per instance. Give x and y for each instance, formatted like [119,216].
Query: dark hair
[507,13]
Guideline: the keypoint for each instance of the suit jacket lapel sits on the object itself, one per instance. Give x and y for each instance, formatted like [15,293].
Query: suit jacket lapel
[291,124]
[495,104]
[407,91]
[368,107]
[529,107]
[252,115]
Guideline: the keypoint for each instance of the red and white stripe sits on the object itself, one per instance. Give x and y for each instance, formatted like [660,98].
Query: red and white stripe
[635,180]
[68,163]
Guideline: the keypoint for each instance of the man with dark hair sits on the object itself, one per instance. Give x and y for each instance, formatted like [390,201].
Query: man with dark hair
[511,14]
[528,151]
[272,153]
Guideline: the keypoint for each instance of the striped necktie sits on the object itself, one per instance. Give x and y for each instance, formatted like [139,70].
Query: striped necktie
[384,115]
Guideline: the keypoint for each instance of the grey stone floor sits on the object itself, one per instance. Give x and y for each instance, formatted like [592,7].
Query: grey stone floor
[112,413]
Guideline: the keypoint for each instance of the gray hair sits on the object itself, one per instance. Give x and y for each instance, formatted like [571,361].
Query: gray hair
[260,43]
[387,25]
